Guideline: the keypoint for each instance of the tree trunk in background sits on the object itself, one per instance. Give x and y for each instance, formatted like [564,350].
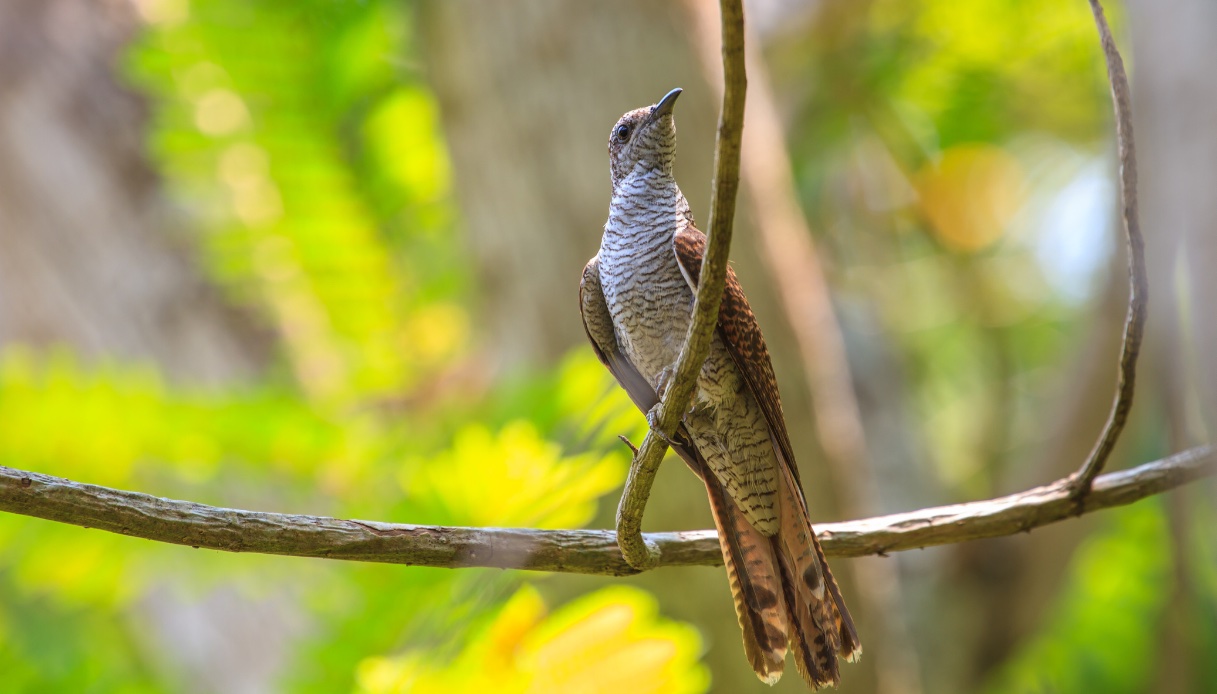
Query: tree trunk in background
[528,92]
[1175,105]
[1176,121]
[86,263]
[84,257]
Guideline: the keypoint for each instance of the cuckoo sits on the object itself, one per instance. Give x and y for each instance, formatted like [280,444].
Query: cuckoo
[636,298]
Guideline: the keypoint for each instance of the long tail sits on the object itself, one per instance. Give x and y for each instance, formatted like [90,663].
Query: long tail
[756,584]
[784,592]
[823,629]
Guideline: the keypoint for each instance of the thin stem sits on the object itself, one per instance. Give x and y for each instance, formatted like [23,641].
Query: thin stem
[1138,295]
[709,295]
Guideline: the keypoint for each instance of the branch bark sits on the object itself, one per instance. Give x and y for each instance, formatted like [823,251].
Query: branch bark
[569,551]
[1138,296]
[637,552]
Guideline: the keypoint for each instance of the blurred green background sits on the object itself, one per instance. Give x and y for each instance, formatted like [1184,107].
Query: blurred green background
[321,257]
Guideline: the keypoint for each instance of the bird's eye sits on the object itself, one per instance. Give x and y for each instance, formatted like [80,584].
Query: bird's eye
[622,133]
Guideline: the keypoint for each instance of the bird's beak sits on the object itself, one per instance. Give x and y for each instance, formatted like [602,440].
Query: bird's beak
[664,107]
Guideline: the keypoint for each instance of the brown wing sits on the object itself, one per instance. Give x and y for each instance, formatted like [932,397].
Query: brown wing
[800,556]
[743,338]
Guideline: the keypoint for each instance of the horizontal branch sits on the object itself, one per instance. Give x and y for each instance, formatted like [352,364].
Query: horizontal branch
[571,551]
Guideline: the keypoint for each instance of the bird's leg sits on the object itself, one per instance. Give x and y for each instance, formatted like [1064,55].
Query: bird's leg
[661,388]
[653,423]
[661,381]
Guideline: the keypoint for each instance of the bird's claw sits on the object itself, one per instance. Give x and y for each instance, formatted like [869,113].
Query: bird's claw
[653,424]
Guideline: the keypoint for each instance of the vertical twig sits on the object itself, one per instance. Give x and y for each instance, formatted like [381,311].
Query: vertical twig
[1138,297]
[709,295]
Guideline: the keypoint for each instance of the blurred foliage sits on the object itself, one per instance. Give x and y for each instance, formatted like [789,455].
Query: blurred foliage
[308,155]
[287,129]
[608,641]
[935,146]
[1108,609]
[518,473]
[951,155]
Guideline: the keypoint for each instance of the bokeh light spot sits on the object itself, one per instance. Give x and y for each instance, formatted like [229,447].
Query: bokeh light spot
[220,112]
[971,195]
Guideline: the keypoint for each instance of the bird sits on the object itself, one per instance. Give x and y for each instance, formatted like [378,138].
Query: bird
[636,299]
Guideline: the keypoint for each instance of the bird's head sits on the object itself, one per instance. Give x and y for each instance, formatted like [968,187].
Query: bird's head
[644,138]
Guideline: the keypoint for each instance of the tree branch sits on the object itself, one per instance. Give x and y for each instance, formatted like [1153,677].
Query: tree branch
[1138,296]
[569,551]
[696,348]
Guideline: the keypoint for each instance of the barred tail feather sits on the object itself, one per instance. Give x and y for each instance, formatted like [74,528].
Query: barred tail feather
[756,584]
[785,595]
[808,660]
[851,647]
[821,628]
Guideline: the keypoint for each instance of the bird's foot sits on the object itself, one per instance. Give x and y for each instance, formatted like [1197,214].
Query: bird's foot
[653,424]
[664,379]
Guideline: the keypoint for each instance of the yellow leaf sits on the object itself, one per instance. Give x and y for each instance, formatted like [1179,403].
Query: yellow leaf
[610,641]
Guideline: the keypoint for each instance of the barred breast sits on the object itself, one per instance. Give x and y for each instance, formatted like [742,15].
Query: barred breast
[651,305]
[649,299]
